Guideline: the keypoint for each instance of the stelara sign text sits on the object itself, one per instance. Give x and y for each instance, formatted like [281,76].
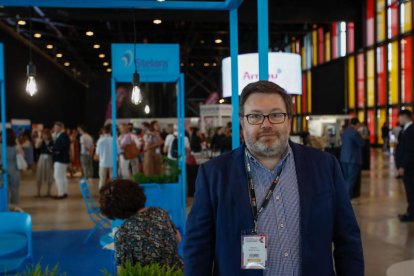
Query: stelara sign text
[284,70]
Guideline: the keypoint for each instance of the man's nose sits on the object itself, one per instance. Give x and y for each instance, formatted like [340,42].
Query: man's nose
[266,123]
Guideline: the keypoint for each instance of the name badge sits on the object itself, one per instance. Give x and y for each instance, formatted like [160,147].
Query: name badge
[254,251]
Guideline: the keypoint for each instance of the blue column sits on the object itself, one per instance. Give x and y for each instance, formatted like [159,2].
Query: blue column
[181,147]
[114,144]
[3,190]
[4,199]
[234,52]
[263,33]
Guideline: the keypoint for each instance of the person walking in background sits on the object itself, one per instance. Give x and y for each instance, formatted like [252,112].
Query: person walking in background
[152,155]
[195,140]
[226,141]
[385,134]
[271,204]
[398,155]
[86,152]
[74,162]
[216,139]
[61,159]
[104,152]
[26,143]
[13,173]
[171,145]
[406,145]
[44,171]
[125,138]
[351,154]
[366,152]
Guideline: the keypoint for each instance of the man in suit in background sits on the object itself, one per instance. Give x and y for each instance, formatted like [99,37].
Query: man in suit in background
[351,155]
[60,159]
[406,145]
[275,192]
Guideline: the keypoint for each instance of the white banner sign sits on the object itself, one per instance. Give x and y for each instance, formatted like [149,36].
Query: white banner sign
[284,70]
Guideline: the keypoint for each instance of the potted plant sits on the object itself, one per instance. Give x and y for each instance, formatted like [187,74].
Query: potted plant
[147,270]
[37,270]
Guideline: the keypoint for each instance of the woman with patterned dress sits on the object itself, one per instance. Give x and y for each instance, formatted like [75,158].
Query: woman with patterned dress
[44,171]
[147,235]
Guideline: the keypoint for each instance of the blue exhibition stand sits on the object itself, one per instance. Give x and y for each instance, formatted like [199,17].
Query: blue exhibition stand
[226,5]
[155,63]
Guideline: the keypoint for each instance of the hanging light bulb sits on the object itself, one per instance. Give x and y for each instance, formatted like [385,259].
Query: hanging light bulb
[31,86]
[147,109]
[136,97]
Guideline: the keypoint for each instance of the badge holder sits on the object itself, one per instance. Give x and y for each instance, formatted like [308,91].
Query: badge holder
[254,251]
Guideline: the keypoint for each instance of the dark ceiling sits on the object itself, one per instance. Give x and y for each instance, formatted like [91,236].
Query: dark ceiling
[195,31]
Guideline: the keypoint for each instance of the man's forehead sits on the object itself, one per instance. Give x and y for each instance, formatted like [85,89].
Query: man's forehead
[268,101]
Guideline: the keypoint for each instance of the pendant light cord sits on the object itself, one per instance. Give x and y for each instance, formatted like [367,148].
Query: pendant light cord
[30,37]
[135,43]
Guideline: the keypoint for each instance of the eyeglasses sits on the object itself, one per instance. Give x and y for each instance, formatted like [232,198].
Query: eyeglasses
[258,119]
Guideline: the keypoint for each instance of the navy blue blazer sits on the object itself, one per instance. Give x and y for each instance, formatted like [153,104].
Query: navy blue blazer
[352,144]
[61,149]
[406,148]
[221,211]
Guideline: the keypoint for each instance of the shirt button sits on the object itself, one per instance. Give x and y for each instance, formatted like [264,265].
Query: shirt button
[277,197]
[282,225]
[286,254]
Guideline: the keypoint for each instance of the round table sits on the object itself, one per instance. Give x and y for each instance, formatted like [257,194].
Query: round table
[11,243]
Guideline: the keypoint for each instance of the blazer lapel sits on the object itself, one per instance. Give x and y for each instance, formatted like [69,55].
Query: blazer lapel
[304,177]
[239,188]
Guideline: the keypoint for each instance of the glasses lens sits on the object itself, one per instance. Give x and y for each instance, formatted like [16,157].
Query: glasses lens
[255,118]
[277,118]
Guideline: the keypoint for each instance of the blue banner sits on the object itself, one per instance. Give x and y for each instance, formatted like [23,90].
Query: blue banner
[155,62]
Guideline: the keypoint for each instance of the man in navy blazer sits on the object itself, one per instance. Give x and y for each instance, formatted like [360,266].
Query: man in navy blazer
[351,154]
[60,160]
[308,221]
[406,145]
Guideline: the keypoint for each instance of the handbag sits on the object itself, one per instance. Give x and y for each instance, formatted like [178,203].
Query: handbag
[21,162]
[131,151]
[190,159]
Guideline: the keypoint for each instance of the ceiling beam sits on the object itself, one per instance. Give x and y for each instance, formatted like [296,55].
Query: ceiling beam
[127,4]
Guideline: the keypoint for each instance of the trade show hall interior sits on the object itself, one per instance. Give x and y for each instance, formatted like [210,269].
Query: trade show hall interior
[92,69]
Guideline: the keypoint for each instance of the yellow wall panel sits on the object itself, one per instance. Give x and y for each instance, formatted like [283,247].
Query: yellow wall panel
[393,73]
[351,82]
[380,20]
[298,105]
[381,118]
[361,116]
[406,17]
[314,48]
[327,46]
[294,123]
[303,58]
[370,78]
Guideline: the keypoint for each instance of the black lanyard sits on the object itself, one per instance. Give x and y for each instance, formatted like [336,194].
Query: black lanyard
[252,192]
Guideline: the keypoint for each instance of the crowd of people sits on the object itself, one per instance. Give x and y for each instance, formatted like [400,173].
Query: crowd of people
[56,153]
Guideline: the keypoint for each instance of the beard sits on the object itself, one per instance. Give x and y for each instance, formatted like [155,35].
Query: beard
[274,148]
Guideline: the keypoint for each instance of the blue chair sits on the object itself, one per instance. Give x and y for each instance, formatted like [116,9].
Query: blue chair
[101,223]
[15,241]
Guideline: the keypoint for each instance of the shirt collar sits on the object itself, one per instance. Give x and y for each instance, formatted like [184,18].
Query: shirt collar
[256,162]
[407,125]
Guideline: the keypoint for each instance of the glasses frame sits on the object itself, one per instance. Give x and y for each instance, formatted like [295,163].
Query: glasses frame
[266,116]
